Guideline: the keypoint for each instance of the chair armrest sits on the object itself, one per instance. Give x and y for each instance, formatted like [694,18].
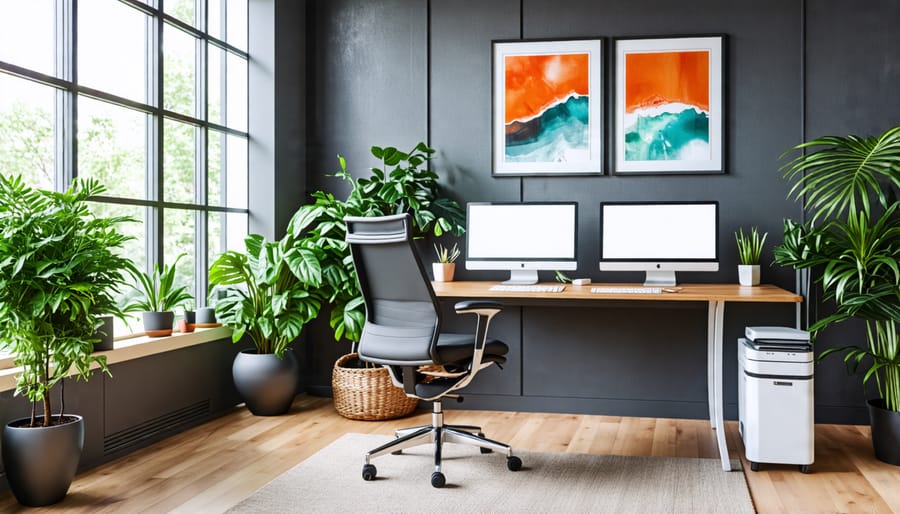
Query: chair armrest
[474,306]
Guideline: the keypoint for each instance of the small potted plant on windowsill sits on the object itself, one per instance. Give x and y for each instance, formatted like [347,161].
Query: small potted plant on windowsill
[159,299]
[749,250]
[445,266]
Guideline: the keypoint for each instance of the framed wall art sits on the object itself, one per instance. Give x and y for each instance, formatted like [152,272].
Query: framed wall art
[548,109]
[669,108]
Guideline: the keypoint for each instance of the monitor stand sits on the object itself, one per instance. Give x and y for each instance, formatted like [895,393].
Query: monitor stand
[522,276]
[660,278]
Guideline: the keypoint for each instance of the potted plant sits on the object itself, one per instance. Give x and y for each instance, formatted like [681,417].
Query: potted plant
[159,298]
[58,272]
[400,184]
[267,294]
[852,239]
[445,266]
[749,250]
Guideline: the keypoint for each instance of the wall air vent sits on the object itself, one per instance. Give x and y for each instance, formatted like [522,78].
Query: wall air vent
[162,425]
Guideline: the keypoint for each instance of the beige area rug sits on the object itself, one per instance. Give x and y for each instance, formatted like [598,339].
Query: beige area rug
[331,481]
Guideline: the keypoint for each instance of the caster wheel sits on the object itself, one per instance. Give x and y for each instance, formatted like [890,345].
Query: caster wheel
[513,463]
[754,466]
[804,468]
[369,472]
[438,480]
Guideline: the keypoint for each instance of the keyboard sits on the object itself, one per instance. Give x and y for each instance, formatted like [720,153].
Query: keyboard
[626,290]
[528,288]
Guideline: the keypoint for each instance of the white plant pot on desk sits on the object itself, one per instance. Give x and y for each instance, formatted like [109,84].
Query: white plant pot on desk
[443,271]
[748,274]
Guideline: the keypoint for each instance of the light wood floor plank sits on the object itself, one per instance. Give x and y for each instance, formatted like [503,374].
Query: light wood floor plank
[213,466]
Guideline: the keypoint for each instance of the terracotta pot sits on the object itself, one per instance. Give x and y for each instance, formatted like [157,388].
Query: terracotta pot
[443,271]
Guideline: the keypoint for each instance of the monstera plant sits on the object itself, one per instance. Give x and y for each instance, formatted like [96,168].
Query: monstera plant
[268,295]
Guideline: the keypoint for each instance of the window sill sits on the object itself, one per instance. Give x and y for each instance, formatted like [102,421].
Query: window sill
[130,349]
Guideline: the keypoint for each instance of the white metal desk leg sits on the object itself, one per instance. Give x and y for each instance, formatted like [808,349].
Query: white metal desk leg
[719,388]
[710,362]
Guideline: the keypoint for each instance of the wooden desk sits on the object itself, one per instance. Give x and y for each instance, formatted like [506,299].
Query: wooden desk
[715,295]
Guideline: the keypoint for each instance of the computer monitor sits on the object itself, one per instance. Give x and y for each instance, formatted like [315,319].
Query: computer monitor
[659,238]
[522,238]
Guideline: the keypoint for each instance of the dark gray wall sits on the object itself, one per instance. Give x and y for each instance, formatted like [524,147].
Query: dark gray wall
[392,72]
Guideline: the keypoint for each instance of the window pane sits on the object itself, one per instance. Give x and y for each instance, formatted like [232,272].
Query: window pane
[178,238]
[135,250]
[227,91]
[112,48]
[179,152]
[228,21]
[236,99]
[28,34]
[179,71]
[112,147]
[184,10]
[27,145]
[226,231]
[227,181]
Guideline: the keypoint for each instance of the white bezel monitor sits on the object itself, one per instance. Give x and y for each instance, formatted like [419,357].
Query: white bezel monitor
[522,238]
[659,238]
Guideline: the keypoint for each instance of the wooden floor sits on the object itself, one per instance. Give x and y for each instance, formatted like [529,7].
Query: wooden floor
[214,466]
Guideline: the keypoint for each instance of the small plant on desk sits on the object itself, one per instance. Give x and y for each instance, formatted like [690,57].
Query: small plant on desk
[445,266]
[749,250]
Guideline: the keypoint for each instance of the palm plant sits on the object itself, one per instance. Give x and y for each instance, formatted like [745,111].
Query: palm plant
[59,271]
[852,237]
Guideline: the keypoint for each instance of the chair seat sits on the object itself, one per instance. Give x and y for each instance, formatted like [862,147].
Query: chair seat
[453,348]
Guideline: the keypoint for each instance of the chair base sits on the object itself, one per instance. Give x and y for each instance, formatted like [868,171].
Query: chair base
[437,434]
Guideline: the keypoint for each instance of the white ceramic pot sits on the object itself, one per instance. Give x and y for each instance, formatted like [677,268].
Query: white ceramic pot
[748,274]
[443,271]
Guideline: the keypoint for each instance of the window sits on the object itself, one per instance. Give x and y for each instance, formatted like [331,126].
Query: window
[150,99]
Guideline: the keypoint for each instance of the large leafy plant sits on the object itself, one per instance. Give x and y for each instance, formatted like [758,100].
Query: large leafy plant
[401,184]
[852,239]
[58,272]
[158,290]
[270,292]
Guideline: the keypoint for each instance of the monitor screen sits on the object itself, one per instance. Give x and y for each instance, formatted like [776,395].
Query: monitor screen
[521,237]
[659,238]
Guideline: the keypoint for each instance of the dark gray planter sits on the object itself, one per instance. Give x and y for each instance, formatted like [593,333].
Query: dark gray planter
[40,463]
[158,324]
[885,432]
[267,384]
[105,334]
[206,315]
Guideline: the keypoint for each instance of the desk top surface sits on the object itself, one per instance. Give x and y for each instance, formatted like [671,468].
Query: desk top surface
[686,292]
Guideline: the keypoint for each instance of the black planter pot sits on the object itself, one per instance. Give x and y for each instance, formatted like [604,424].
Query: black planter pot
[158,324]
[105,334]
[885,432]
[40,463]
[267,384]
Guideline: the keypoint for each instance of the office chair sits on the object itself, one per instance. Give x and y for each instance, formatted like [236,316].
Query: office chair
[403,333]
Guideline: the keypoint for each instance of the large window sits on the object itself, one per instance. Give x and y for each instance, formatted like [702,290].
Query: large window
[148,97]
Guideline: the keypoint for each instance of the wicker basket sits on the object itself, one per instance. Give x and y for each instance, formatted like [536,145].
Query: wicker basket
[368,393]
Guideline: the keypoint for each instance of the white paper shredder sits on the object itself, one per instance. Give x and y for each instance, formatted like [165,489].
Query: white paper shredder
[775,396]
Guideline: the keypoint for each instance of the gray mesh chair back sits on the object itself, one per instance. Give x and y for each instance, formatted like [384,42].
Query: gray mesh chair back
[402,313]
